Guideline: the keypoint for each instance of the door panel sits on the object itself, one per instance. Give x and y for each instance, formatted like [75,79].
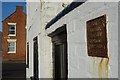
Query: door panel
[57,62]
[61,61]
[35,58]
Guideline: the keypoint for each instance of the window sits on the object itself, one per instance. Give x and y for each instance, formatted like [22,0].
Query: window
[11,46]
[97,37]
[11,29]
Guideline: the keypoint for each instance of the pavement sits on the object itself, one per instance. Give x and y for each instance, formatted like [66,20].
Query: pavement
[13,71]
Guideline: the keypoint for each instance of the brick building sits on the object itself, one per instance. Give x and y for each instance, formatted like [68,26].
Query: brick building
[0,41]
[0,55]
[14,36]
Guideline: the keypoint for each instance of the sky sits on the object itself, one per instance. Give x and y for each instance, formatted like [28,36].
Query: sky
[7,7]
[0,15]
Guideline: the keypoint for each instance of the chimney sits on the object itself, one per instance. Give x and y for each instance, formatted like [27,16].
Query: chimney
[19,8]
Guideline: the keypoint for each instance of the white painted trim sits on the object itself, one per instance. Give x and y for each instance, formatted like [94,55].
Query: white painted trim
[12,35]
[11,23]
[11,40]
[11,52]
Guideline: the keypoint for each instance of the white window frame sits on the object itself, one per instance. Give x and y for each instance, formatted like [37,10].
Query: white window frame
[12,40]
[15,29]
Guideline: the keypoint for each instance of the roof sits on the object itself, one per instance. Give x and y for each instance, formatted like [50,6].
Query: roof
[65,11]
[11,15]
[8,16]
[17,7]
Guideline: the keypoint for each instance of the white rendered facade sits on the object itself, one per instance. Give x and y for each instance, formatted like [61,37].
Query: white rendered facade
[80,65]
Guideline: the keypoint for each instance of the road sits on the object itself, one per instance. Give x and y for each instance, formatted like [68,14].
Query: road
[13,71]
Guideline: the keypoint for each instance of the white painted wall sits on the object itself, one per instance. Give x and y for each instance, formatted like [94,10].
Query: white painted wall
[80,65]
[119,41]
[33,27]
[38,15]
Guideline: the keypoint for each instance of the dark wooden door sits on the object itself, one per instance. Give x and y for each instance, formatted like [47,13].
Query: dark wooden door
[61,61]
[59,40]
[35,58]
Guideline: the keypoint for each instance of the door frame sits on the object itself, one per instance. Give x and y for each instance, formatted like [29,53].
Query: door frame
[59,36]
[35,58]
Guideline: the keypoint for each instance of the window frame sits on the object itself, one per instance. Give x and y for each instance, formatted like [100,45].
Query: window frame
[15,29]
[11,40]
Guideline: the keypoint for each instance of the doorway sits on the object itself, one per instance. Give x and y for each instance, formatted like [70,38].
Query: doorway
[35,40]
[60,63]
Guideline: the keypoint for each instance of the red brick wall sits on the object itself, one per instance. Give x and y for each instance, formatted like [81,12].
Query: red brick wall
[19,18]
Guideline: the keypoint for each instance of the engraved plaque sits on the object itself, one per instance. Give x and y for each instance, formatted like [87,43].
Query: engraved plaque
[96,37]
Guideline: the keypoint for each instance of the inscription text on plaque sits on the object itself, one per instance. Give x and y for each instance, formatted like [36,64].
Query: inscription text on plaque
[97,37]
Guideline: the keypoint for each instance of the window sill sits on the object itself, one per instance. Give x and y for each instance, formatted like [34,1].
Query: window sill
[11,35]
[11,52]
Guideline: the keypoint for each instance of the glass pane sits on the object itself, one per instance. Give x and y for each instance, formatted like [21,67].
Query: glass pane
[11,49]
[11,43]
[11,46]
[11,26]
[12,32]
[11,29]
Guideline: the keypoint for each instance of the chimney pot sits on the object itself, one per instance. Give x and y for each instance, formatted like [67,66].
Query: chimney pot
[19,8]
